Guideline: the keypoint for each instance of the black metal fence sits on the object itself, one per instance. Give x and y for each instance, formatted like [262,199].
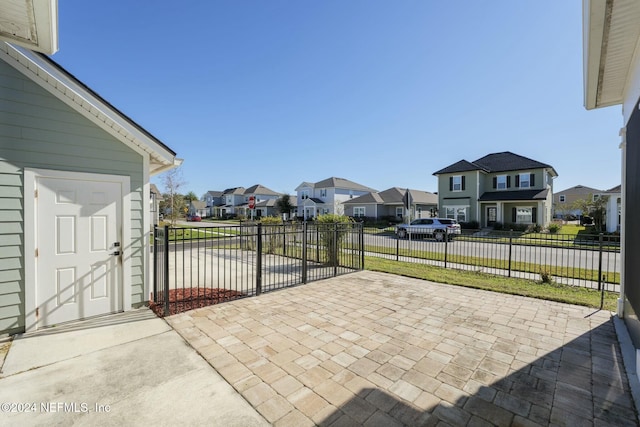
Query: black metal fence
[199,266]
[591,261]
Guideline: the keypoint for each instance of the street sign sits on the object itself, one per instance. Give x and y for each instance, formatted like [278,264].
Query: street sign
[252,202]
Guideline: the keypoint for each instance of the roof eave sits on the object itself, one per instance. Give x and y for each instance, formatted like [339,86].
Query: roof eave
[593,24]
[610,40]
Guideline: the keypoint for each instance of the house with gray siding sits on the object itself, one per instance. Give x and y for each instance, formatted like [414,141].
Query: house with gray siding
[564,201]
[501,187]
[327,196]
[75,191]
[389,205]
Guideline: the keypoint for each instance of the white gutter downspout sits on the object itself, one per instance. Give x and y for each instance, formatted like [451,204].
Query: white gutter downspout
[623,215]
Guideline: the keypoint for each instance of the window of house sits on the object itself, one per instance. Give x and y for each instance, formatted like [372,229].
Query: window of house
[501,182]
[457,213]
[596,197]
[562,198]
[325,211]
[457,183]
[351,194]
[524,215]
[525,180]
[323,192]
[399,212]
[461,214]
[358,211]
[304,194]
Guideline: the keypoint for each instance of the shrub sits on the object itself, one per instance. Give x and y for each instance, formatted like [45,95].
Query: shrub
[554,228]
[332,229]
[470,225]
[272,236]
[534,228]
[545,275]
[498,226]
[515,227]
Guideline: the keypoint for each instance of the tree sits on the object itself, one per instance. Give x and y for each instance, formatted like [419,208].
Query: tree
[172,181]
[283,204]
[189,198]
[595,207]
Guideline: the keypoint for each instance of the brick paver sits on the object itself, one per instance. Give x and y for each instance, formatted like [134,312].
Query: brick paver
[377,349]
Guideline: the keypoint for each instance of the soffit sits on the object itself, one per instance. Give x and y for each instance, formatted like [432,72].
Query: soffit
[30,23]
[612,32]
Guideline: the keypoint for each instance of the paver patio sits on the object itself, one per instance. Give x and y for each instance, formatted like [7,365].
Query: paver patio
[375,349]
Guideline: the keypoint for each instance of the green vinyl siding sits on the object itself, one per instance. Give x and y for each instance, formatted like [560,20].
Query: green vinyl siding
[37,130]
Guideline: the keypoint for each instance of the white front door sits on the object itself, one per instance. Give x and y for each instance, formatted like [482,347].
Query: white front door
[78,237]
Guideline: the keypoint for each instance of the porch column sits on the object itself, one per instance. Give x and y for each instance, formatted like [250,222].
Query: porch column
[499,213]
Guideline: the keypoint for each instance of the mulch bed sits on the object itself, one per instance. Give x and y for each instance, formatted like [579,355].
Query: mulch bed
[181,300]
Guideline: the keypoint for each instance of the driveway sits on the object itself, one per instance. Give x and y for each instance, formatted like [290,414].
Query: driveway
[379,350]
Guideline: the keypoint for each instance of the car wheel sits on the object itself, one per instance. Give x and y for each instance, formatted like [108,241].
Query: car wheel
[439,235]
[402,234]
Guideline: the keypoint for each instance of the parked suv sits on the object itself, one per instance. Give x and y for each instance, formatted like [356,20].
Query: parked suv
[429,227]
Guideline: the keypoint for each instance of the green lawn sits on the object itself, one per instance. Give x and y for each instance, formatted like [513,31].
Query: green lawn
[529,288]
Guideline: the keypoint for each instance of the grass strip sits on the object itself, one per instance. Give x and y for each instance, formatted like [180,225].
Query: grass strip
[528,288]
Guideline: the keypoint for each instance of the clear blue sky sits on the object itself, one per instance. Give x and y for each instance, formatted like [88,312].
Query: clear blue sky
[383,93]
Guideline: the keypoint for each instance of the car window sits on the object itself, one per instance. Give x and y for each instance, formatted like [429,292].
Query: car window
[447,221]
[428,221]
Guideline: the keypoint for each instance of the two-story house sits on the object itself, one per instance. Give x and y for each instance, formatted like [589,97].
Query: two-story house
[389,205]
[213,199]
[564,201]
[497,188]
[327,196]
[235,201]
[231,198]
[264,201]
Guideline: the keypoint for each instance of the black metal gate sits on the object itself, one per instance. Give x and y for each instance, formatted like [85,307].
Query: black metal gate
[200,266]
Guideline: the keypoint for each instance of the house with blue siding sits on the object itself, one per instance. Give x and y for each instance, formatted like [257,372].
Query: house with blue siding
[75,194]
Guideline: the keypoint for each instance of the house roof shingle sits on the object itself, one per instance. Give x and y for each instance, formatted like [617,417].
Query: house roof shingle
[496,162]
[394,195]
[260,189]
[335,182]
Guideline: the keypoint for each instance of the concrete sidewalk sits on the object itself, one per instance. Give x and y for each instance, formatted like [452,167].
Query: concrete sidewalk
[125,369]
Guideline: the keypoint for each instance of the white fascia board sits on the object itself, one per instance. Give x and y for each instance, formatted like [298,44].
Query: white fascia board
[632,88]
[593,21]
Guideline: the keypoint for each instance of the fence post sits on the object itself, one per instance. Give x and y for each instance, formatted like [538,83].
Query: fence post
[446,245]
[397,248]
[600,262]
[304,252]
[259,260]
[361,247]
[284,239]
[155,263]
[336,261]
[317,242]
[510,246]
[166,270]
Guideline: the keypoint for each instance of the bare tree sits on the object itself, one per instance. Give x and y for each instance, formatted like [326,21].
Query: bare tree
[172,181]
